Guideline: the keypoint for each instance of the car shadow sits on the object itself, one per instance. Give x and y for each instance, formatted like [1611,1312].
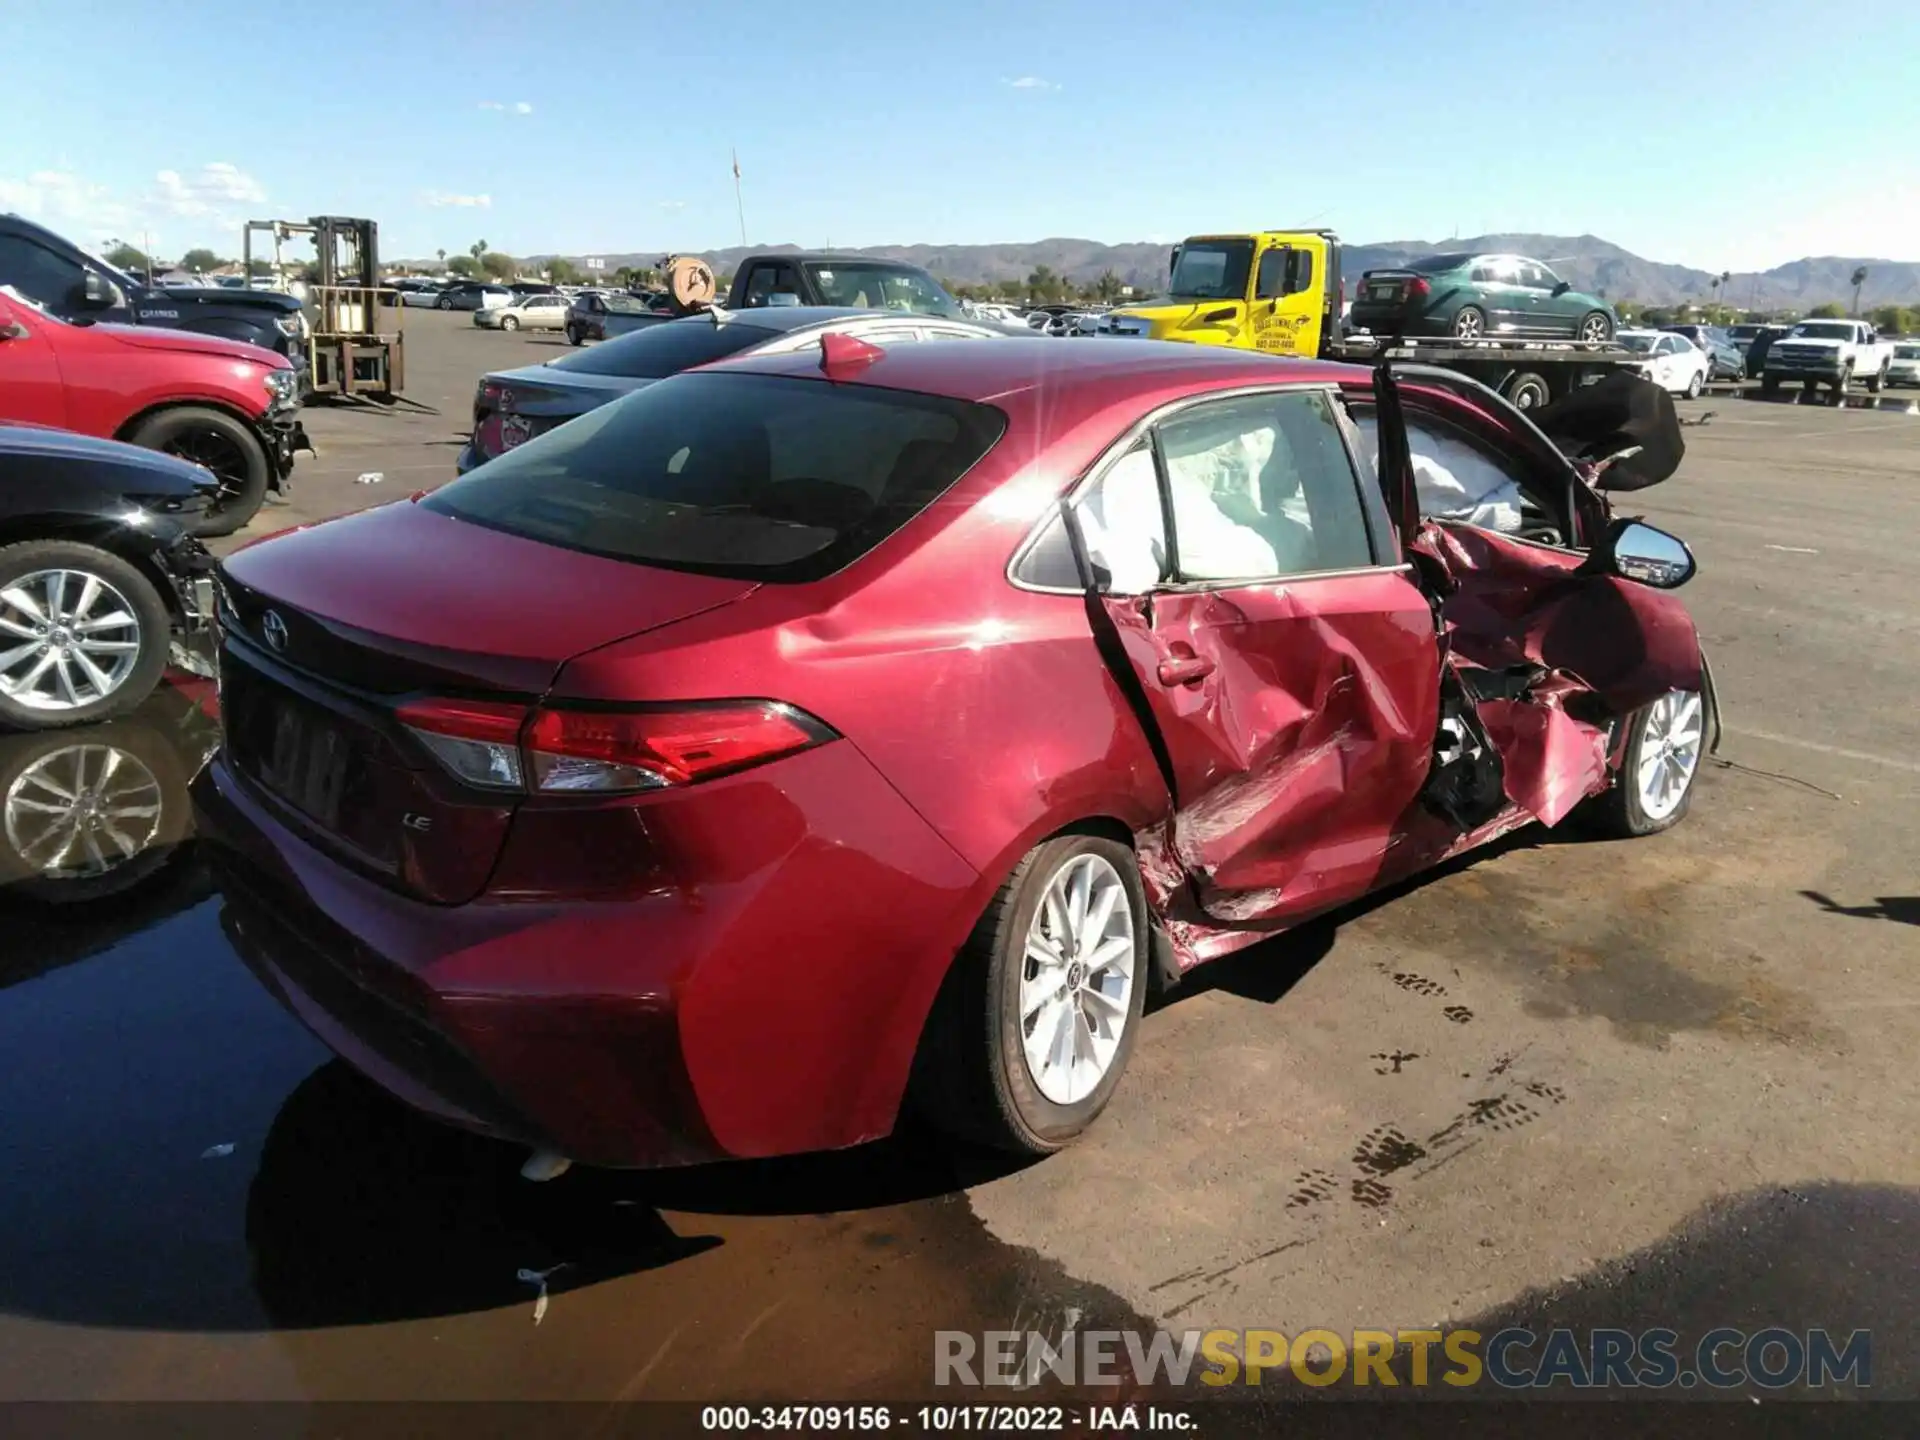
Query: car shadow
[1267,971]
[1901,909]
[363,1210]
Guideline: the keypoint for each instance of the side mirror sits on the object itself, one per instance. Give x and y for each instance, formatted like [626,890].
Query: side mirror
[99,293]
[1562,288]
[1635,550]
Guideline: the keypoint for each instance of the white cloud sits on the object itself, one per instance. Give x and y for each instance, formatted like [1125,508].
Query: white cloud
[521,107]
[67,202]
[673,204]
[208,191]
[518,107]
[492,105]
[1029,82]
[440,200]
[180,209]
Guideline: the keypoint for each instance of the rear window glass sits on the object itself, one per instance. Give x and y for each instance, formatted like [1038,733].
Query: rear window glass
[762,477]
[1436,264]
[665,349]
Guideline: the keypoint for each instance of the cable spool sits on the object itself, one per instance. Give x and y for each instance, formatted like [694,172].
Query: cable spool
[690,283]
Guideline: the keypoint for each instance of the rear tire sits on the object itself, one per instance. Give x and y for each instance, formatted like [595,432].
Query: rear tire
[1595,326]
[974,1075]
[1878,383]
[217,440]
[1666,741]
[1528,391]
[1470,323]
[1695,385]
[1769,384]
[150,630]
[573,336]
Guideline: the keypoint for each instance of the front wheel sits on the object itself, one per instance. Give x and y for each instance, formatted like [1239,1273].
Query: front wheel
[573,336]
[445,303]
[1039,1013]
[221,444]
[83,634]
[1695,385]
[507,322]
[1665,743]
[1470,323]
[1596,327]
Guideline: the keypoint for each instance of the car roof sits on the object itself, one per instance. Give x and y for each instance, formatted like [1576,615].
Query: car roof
[810,257]
[787,318]
[1016,363]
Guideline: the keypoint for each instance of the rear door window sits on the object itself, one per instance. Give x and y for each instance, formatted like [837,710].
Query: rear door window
[1263,487]
[762,477]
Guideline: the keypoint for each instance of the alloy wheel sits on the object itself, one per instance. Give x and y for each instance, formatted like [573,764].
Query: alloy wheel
[1670,742]
[1468,325]
[67,639]
[1077,978]
[1595,328]
[81,811]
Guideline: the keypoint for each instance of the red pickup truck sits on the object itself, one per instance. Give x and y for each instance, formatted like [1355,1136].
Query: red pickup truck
[222,404]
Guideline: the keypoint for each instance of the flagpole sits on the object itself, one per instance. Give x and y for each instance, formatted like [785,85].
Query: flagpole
[739,204]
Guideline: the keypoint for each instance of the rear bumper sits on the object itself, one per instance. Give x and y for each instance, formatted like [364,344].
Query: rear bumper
[765,997]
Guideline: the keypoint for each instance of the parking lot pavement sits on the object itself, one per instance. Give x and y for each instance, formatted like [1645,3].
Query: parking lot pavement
[412,444]
[1664,1082]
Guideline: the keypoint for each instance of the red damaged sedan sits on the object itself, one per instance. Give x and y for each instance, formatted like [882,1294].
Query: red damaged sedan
[813,735]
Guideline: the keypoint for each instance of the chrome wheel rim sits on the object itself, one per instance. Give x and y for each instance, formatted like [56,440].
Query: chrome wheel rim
[1467,324]
[1595,329]
[1076,979]
[1670,740]
[68,639]
[83,810]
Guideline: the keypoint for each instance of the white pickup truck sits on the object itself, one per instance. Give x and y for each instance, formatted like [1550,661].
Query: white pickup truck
[1829,352]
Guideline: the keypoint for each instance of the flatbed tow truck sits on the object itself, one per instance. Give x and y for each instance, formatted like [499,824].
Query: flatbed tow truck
[1280,291]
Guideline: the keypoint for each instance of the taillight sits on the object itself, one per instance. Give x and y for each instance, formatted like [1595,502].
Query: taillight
[1418,288]
[562,751]
[477,740]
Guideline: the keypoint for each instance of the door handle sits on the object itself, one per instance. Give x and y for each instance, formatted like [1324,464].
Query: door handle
[1185,670]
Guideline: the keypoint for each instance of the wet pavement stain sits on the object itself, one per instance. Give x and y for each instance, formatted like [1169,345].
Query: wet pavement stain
[1631,968]
[1310,1186]
[1384,1150]
[187,1172]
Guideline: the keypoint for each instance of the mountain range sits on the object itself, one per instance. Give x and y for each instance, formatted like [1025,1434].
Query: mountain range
[1585,261]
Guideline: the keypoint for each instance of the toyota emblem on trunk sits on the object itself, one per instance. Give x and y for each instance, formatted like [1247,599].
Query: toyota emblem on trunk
[274,630]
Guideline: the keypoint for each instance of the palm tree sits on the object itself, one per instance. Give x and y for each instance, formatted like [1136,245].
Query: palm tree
[443,257]
[477,249]
[1859,279]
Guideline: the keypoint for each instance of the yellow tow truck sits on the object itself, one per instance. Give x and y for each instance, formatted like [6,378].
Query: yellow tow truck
[1280,291]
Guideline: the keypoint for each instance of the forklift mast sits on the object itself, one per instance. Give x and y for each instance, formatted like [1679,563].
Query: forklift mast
[350,350]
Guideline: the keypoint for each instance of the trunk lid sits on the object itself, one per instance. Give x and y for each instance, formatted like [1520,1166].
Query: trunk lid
[1383,287]
[513,406]
[327,630]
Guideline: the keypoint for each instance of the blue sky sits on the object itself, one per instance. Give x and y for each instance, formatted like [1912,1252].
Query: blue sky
[1723,135]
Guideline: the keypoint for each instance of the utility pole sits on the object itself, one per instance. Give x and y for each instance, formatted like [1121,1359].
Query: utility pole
[738,203]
